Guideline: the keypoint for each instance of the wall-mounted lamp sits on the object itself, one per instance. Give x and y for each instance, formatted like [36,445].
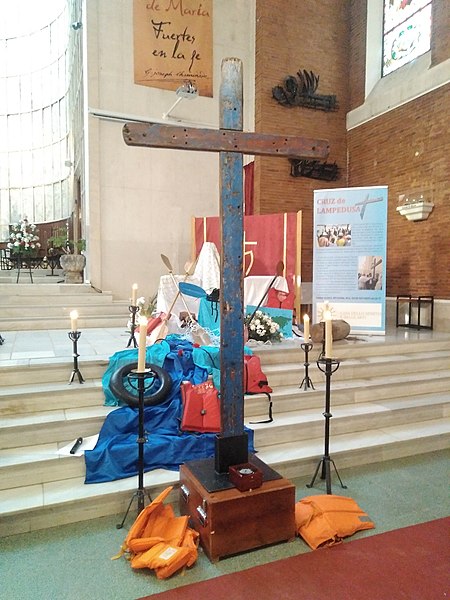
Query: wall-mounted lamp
[187,90]
[415,208]
[77,25]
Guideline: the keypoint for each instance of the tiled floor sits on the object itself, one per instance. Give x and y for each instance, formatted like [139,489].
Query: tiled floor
[29,347]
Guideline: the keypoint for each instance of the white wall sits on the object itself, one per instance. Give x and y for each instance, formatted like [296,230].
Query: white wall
[139,201]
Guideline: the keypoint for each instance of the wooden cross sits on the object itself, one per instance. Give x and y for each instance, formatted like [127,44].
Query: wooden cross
[231,142]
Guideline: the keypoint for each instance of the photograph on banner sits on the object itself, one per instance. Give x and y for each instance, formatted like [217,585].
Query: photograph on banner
[334,235]
[173,45]
[349,256]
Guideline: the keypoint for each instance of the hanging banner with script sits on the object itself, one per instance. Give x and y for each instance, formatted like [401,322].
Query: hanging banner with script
[173,44]
[350,228]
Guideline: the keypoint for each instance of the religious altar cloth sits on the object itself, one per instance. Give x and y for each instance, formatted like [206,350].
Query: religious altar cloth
[207,270]
[256,286]
[167,292]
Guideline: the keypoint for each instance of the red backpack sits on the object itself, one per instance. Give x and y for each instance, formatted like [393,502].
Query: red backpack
[201,407]
[255,382]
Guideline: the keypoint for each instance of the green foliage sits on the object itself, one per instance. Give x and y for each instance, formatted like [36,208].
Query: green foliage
[61,243]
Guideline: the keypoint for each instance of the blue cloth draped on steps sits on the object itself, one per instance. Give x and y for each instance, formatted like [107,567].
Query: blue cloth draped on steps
[115,455]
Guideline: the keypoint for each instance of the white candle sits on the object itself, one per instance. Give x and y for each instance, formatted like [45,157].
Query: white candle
[306,327]
[328,334]
[142,344]
[134,294]
[73,320]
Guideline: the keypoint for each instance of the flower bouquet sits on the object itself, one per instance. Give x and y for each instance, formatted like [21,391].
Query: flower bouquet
[24,239]
[146,306]
[263,328]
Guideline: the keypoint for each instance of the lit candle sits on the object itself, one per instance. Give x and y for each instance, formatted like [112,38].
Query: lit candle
[134,294]
[306,327]
[73,320]
[328,334]
[142,344]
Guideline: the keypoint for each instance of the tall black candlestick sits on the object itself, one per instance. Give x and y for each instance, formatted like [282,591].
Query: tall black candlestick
[327,366]
[75,336]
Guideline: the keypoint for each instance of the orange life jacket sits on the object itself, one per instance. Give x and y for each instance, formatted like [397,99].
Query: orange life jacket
[159,540]
[325,520]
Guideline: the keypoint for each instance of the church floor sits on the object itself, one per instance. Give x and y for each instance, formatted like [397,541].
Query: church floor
[73,561]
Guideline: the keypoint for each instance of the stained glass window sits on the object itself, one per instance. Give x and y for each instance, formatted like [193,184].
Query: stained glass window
[406,32]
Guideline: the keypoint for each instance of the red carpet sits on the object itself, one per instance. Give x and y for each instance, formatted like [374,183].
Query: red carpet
[412,563]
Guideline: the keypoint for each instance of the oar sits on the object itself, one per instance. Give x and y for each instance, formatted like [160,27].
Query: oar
[190,289]
[279,271]
[168,264]
[198,333]
[161,332]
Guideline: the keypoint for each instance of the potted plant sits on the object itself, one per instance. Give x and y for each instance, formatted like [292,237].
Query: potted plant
[72,262]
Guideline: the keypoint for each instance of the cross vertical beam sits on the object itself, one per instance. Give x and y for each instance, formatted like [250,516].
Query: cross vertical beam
[232,444]
[232,233]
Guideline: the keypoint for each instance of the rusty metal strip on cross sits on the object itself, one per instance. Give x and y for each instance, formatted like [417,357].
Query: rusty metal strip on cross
[211,140]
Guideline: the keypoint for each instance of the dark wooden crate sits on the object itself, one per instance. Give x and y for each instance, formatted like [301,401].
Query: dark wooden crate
[230,521]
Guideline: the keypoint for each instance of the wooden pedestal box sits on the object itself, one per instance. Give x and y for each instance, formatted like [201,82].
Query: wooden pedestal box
[230,521]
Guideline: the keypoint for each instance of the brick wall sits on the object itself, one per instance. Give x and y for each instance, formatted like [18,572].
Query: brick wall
[300,34]
[408,149]
[328,37]
[440,42]
[357,58]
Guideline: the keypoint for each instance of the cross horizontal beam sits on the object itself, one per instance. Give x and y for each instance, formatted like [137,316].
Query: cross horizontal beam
[154,135]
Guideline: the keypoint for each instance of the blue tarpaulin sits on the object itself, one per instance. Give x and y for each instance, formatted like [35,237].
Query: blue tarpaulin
[115,455]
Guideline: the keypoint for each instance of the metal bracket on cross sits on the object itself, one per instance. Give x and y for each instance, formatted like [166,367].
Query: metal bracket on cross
[231,142]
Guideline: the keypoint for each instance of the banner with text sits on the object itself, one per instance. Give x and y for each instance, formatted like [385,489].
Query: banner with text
[349,269]
[173,44]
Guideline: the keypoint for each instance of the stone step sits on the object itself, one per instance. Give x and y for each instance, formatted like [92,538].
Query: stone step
[384,405]
[51,426]
[41,373]
[21,291]
[349,418]
[347,450]
[363,390]
[279,372]
[359,368]
[38,463]
[40,306]
[62,310]
[29,400]
[26,323]
[11,300]
[52,503]
[47,387]
[291,352]
[289,399]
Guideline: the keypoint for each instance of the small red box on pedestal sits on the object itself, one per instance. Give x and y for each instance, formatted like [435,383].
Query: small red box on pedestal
[245,477]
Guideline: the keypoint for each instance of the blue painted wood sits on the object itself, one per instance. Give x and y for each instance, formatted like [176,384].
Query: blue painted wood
[231,284]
